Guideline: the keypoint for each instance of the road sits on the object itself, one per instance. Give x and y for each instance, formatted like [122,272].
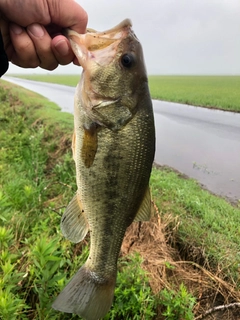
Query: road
[201,143]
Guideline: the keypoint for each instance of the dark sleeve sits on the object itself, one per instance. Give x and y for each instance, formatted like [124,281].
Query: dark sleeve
[3,58]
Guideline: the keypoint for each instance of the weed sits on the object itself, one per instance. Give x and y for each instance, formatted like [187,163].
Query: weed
[5,237]
[133,297]
[178,304]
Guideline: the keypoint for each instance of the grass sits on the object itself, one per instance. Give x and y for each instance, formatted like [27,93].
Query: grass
[206,222]
[38,182]
[219,92]
[68,80]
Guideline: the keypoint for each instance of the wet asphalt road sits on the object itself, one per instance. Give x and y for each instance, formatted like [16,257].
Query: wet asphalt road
[201,143]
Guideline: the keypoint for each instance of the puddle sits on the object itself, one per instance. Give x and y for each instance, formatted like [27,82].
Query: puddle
[201,145]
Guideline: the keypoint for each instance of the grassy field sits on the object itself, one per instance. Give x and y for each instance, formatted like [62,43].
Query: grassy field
[206,91]
[198,230]
[68,80]
[220,92]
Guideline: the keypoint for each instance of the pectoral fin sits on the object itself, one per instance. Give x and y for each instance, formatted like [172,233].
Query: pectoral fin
[74,145]
[146,210]
[74,224]
[90,144]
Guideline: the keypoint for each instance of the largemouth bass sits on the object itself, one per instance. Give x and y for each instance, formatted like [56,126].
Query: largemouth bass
[113,148]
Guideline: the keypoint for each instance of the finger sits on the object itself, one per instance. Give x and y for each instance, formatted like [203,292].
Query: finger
[23,51]
[62,50]
[68,14]
[42,43]
[5,31]
[75,61]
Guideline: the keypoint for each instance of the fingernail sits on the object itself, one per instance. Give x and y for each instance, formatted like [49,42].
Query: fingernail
[62,47]
[36,30]
[16,28]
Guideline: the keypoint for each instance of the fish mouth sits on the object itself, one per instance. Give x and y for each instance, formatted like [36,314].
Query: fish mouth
[99,47]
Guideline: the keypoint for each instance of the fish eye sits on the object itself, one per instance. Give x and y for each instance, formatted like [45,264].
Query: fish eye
[127,60]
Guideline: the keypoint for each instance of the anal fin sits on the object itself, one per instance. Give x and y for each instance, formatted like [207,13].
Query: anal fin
[146,209]
[74,224]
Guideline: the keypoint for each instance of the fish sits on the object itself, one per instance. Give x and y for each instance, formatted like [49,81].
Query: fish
[113,148]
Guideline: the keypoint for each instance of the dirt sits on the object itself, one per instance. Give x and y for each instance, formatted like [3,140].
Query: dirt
[159,250]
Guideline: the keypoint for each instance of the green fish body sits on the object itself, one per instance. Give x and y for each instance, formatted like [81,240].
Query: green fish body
[113,149]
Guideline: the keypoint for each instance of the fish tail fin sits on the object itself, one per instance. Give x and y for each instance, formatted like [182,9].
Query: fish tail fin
[87,294]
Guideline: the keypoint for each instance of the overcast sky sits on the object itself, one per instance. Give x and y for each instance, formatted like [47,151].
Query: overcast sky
[178,36]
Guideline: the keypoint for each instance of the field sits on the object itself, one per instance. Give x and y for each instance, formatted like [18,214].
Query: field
[206,91]
[220,92]
[187,256]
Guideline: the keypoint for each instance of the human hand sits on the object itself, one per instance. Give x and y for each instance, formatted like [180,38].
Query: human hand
[32,31]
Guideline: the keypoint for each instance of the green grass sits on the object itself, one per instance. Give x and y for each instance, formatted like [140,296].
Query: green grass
[37,183]
[207,222]
[68,80]
[220,92]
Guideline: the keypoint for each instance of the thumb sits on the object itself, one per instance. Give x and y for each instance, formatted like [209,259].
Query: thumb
[68,14]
